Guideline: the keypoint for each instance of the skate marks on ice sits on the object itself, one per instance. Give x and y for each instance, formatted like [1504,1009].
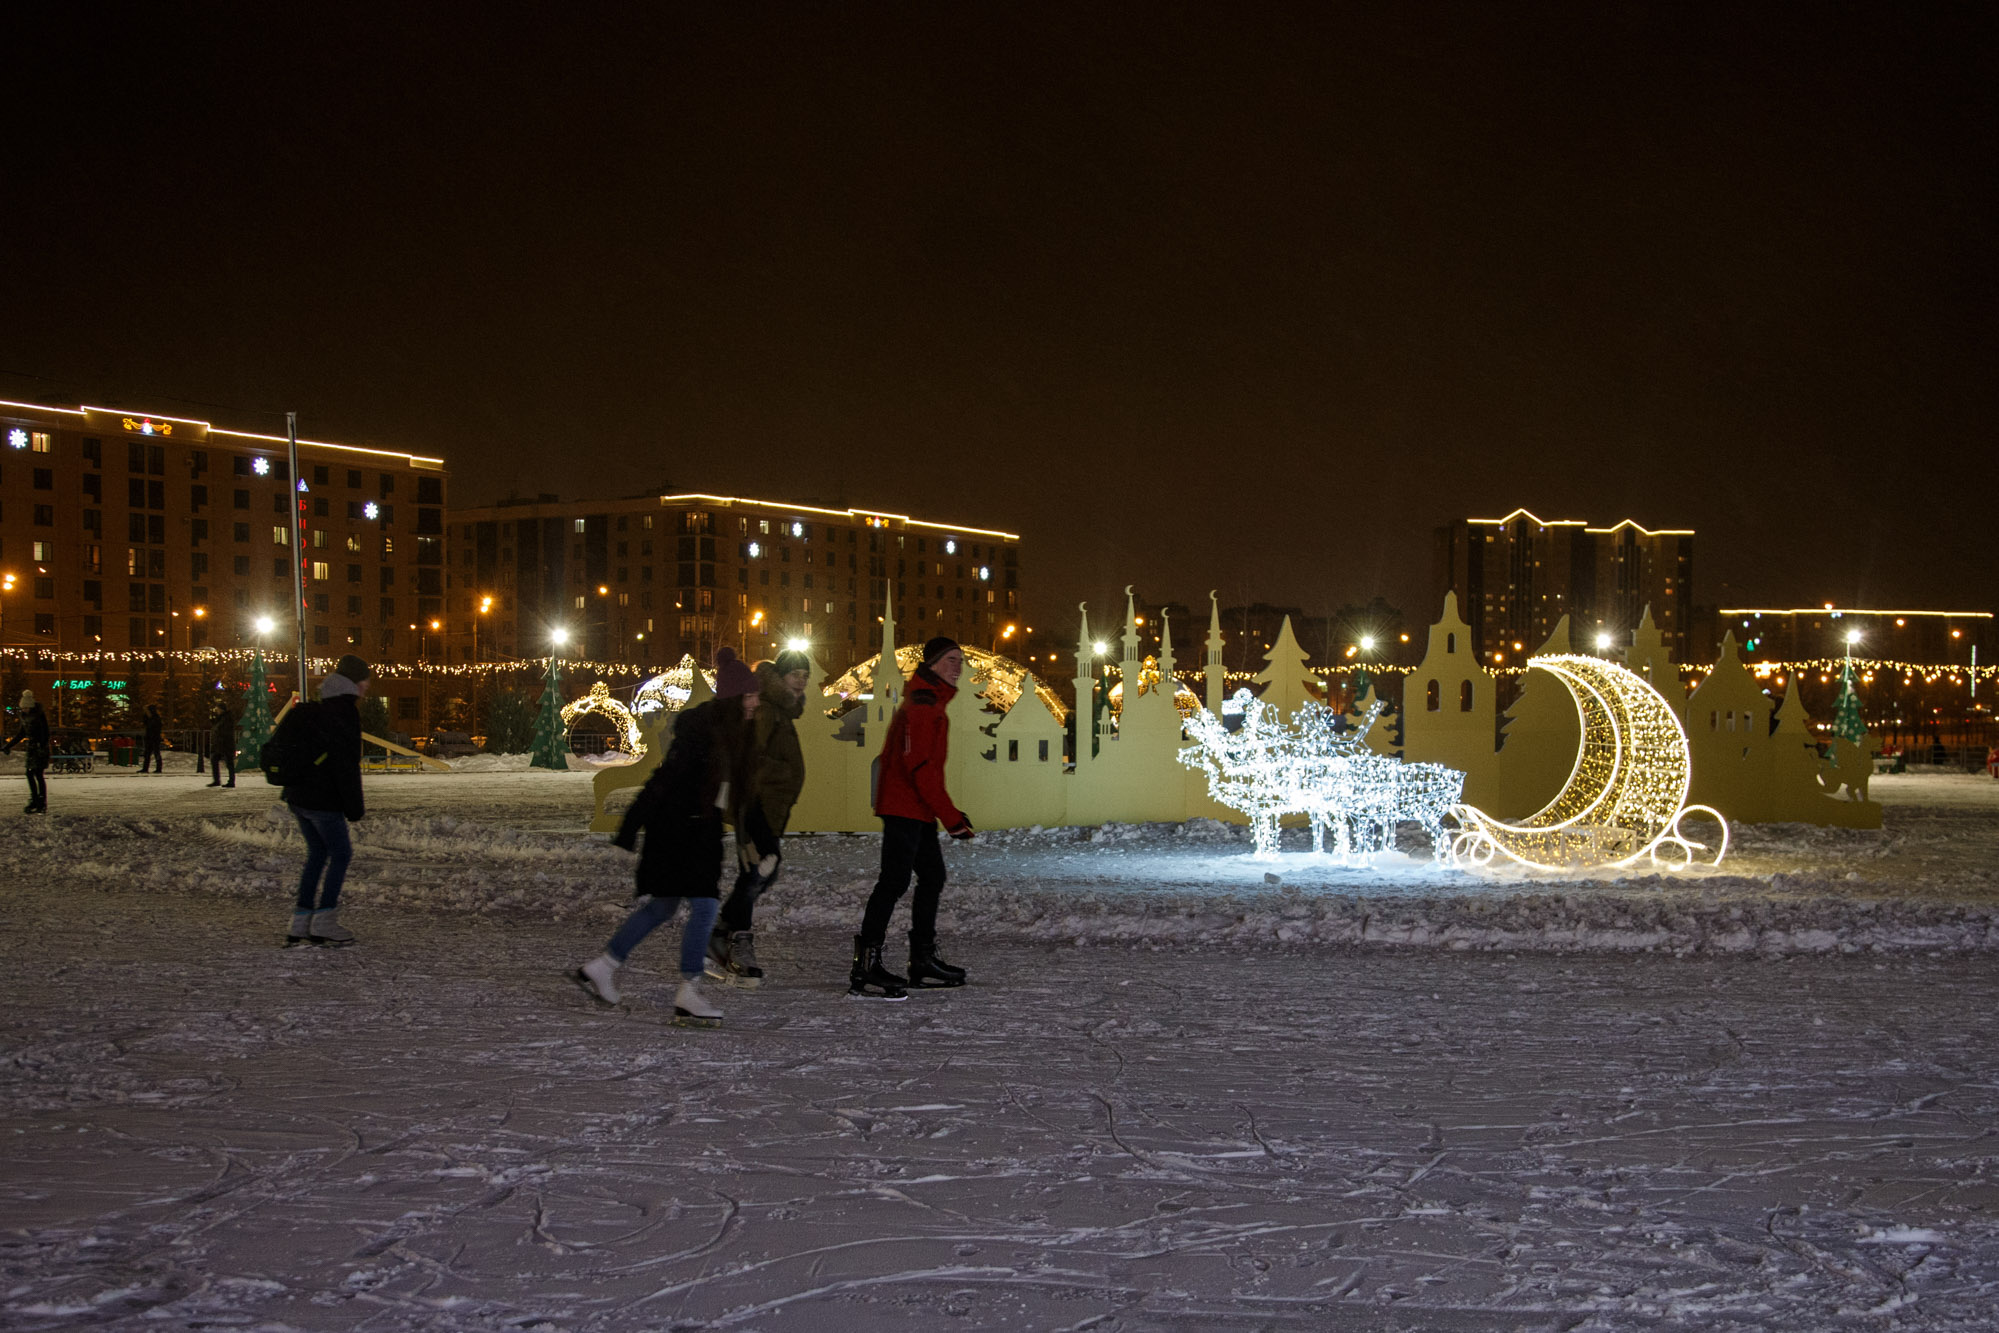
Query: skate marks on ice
[437,1131]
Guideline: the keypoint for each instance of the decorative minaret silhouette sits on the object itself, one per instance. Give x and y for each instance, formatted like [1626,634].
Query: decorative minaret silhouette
[1216,675]
[1086,691]
[888,681]
[1166,681]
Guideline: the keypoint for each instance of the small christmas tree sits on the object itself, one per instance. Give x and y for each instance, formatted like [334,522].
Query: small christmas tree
[1847,724]
[549,749]
[253,728]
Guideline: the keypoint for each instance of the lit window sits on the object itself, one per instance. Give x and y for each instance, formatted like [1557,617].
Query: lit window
[281,534]
[321,571]
[261,466]
[579,525]
[41,442]
[42,550]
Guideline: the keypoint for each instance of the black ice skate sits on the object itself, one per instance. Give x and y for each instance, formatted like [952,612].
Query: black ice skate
[929,972]
[869,979]
[732,958]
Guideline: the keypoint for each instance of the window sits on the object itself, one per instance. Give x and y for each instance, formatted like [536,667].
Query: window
[240,566]
[93,452]
[321,571]
[93,559]
[353,606]
[319,538]
[45,589]
[281,535]
[353,573]
[42,550]
[579,524]
[45,516]
[353,543]
[45,624]
[241,532]
[321,475]
[280,568]
[241,499]
[45,479]
[319,634]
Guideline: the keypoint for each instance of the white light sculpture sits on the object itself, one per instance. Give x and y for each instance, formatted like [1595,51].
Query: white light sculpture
[17,438]
[261,466]
[755,550]
[371,510]
[599,700]
[1316,767]
[1625,796]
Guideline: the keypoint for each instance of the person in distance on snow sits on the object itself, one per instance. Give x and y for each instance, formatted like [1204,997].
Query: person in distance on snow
[780,776]
[222,741]
[31,728]
[911,800]
[324,804]
[151,761]
[705,776]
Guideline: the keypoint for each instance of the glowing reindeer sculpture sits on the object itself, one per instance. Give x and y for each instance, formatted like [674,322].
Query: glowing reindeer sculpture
[1317,768]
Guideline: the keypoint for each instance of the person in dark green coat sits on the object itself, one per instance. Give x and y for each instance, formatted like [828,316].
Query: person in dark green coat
[760,829]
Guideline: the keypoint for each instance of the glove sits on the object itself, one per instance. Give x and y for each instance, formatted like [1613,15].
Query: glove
[962,831]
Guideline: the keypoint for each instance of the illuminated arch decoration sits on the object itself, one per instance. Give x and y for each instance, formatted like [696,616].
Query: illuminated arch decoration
[1001,675]
[599,700]
[670,689]
[1185,700]
[1624,798]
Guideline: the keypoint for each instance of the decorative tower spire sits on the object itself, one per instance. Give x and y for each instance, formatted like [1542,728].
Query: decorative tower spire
[888,680]
[1166,654]
[1216,675]
[1086,690]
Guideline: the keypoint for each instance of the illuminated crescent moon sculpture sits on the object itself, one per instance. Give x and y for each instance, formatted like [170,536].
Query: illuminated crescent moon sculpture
[1625,797]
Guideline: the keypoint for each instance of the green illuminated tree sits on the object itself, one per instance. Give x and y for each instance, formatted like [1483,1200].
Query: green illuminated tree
[253,728]
[550,749]
[1847,723]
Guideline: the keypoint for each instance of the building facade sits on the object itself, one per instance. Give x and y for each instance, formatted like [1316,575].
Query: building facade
[1516,577]
[649,579]
[127,532]
[1803,634]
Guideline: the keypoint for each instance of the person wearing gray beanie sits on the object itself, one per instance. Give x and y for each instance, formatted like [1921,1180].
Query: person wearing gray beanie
[31,728]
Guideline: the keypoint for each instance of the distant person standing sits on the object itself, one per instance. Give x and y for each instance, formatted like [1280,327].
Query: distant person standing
[324,803]
[155,729]
[780,769]
[31,727]
[911,800]
[222,744]
[704,776]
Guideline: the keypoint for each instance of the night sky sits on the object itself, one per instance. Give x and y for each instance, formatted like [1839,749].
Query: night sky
[1243,297]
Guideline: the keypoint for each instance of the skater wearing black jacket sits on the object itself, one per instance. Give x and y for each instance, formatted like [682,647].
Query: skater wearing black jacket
[911,800]
[32,727]
[780,777]
[222,743]
[705,775]
[324,804]
[155,729]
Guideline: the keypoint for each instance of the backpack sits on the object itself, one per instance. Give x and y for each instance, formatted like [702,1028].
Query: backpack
[297,750]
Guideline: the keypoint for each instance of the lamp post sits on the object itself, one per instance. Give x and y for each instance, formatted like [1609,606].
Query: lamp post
[6,586]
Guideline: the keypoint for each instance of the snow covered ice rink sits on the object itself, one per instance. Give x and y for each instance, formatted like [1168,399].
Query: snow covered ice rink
[1177,1095]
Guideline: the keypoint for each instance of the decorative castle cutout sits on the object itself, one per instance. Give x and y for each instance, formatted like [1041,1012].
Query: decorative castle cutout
[1009,735]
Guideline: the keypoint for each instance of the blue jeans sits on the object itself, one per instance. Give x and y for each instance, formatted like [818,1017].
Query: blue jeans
[326,848]
[653,913]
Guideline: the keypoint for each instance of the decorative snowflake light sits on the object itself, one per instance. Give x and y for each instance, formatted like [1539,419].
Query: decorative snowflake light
[1316,767]
[261,466]
[371,510]
[17,438]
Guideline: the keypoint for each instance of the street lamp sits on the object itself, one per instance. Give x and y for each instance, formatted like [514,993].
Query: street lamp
[1603,642]
[6,586]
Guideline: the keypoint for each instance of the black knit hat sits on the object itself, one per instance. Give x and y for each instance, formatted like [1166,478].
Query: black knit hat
[353,668]
[790,660]
[937,647]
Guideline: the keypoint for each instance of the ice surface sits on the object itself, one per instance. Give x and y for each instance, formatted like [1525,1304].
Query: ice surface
[1384,1097]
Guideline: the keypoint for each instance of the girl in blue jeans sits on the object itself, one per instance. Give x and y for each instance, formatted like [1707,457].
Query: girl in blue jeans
[704,778]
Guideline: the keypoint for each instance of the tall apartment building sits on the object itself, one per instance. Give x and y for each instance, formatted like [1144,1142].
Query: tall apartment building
[1517,576]
[648,579]
[134,532]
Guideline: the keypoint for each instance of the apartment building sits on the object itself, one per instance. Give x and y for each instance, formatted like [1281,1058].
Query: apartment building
[1517,576]
[134,532]
[648,579]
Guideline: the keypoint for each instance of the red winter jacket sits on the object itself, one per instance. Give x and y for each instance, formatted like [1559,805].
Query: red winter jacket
[911,779]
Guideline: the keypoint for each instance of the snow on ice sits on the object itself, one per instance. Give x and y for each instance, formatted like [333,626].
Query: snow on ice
[1178,1093]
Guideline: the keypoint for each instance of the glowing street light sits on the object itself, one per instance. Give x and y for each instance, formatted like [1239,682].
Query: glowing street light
[1603,642]
[558,636]
[265,625]
[798,645]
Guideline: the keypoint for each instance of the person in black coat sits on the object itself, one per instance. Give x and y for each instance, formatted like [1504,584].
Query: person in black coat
[32,727]
[324,805]
[705,777]
[222,745]
[151,760]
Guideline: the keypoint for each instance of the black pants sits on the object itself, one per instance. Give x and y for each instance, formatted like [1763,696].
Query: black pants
[908,846]
[152,758]
[739,908]
[217,760]
[38,787]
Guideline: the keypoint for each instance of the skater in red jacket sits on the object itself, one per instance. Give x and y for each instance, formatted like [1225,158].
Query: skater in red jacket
[911,800]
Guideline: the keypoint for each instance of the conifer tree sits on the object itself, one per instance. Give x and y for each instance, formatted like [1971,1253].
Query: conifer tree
[549,750]
[253,728]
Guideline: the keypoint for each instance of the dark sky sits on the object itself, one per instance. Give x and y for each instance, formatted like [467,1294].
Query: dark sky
[1236,296]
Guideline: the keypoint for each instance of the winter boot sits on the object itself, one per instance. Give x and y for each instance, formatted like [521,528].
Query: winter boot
[927,970]
[869,972]
[325,929]
[599,977]
[301,931]
[690,1006]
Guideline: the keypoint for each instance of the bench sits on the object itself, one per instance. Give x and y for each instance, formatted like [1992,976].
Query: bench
[390,763]
[71,761]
